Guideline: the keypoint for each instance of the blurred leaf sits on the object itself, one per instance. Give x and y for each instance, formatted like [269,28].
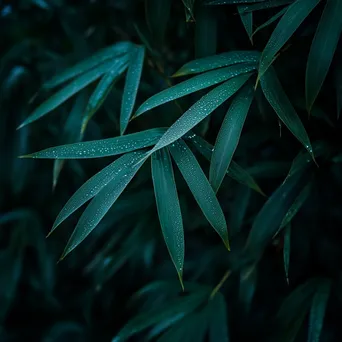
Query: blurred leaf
[131,86]
[293,17]
[218,327]
[194,84]
[229,2]
[178,306]
[200,110]
[200,188]
[270,21]
[229,136]
[279,101]
[218,61]
[169,211]
[102,56]
[125,169]
[234,171]
[317,311]
[101,92]
[189,9]
[157,16]
[323,49]
[247,21]
[287,250]
[338,86]
[71,89]
[248,284]
[102,147]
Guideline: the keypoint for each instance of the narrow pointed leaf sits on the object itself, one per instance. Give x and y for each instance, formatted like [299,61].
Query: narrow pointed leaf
[323,49]
[102,90]
[169,211]
[229,136]
[234,171]
[287,249]
[247,21]
[296,13]
[201,109]
[279,101]
[103,147]
[65,93]
[95,60]
[317,311]
[218,61]
[131,86]
[270,21]
[265,5]
[126,167]
[194,84]
[218,321]
[200,188]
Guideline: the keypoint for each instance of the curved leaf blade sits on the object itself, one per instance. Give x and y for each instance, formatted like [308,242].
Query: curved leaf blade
[65,93]
[201,109]
[101,92]
[131,86]
[323,49]
[194,84]
[293,17]
[218,61]
[279,101]
[125,169]
[229,136]
[200,188]
[103,147]
[168,207]
[93,61]
[247,21]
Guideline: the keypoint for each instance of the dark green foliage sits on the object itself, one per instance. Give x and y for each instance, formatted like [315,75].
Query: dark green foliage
[205,135]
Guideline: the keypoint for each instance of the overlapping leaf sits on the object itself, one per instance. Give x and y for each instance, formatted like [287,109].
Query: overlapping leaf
[270,21]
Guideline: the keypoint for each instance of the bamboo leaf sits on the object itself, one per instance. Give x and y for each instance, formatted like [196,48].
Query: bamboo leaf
[293,17]
[200,110]
[131,86]
[101,92]
[229,136]
[194,84]
[266,5]
[235,171]
[270,21]
[247,21]
[102,147]
[323,49]
[169,211]
[218,321]
[104,55]
[65,93]
[120,175]
[200,188]
[286,250]
[317,311]
[218,61]
[279,101]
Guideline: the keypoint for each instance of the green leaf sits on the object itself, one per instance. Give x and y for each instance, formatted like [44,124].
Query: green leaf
[317,312]
[157,16]
[248,284]
[270,21]
[101,92]
[201,109]
[178,306]
[91,188]
[269,218]
[103,147]
[234,171]
[286,250]
[229,136]
[323,49]
[218,61]
[297,204]
[200,188]
[108,53]
[279,101]
[218,322]
[293,17]
[131,86]
[189,9]
[266,5]
[169,211]
[194,84]
[247,21]
[125,169]
[71,89]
